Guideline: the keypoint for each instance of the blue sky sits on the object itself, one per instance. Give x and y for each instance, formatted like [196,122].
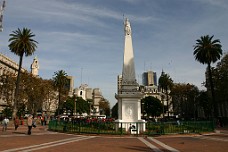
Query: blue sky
[85,38]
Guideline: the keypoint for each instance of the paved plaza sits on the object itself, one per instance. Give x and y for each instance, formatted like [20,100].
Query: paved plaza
[46,141]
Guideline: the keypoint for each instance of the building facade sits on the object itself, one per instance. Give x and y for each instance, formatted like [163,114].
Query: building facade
[149,78]
[7,66]
[95,95]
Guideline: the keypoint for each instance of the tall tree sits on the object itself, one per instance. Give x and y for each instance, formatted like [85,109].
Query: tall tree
[115,111]
[152,106]
[104,107]
[184,98]
[82,106]
[21,43]
[220,79]
[205,104]
[60,82]
[49,93]
[165,82]
[208,51]
[7,86]
[35,92]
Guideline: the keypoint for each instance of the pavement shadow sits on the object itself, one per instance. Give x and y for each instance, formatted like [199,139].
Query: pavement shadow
[15,132]
[138,148]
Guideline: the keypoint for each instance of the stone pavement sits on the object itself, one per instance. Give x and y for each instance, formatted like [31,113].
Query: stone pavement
[22,129]
[43,140]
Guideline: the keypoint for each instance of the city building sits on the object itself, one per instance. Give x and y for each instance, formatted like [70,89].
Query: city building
[70,85]
[7,66]
[84,92]
[95,95]
[149,78]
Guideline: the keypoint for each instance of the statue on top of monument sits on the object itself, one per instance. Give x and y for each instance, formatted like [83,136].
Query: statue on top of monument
[127,27]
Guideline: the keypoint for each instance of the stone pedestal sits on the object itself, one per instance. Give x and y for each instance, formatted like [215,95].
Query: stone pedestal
[129,112]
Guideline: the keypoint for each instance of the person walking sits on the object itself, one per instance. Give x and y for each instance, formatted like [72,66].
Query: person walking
[16,123]
[29,123]
[5,122]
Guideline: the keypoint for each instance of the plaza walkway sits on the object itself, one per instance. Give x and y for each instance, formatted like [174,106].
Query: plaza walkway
[43,140]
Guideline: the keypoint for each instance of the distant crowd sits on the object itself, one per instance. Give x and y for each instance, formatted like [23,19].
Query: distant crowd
[30,120]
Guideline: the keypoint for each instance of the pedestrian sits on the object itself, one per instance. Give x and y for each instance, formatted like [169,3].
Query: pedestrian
[29,123]
[5,122]
[45,119]
[42,120]
[16,123]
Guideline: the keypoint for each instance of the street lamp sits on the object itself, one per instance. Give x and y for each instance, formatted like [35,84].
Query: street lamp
[75,99]
[163,105]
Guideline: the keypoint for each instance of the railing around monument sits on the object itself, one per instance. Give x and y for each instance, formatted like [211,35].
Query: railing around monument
[116,128]
[179,127]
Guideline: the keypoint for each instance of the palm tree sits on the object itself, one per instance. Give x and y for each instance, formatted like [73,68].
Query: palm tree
[208,51]
[60,82]
[165,83]
[21,43]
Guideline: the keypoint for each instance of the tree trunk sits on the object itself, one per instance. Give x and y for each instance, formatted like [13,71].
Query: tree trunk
[215,114]
[15,108]
[59,101]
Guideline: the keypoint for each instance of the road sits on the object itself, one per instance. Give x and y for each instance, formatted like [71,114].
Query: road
[46,141]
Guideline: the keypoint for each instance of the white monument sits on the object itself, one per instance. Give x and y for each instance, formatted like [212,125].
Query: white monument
[129,97]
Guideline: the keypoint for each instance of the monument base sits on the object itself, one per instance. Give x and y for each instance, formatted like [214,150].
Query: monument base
[135,127]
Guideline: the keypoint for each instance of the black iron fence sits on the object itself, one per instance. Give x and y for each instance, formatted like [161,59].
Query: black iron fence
[123,128]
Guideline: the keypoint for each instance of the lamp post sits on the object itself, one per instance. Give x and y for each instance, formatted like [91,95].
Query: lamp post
[75,99]
[163,106]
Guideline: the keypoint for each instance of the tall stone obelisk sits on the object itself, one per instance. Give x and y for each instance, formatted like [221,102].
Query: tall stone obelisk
[129,96]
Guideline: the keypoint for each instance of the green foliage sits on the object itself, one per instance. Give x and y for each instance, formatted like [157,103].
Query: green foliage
[21,110]
[220,79]
[82,106]
[7,87]
[7,112]
[69,104]
[165,83]
[206,50]
[152,106]
[115,111]
[205,102]
[60,81]
[184,98]
[33,92]
[21,42]
[104,107]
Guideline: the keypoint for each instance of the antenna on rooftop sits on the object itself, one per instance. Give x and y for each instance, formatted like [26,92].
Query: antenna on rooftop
[1,14]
